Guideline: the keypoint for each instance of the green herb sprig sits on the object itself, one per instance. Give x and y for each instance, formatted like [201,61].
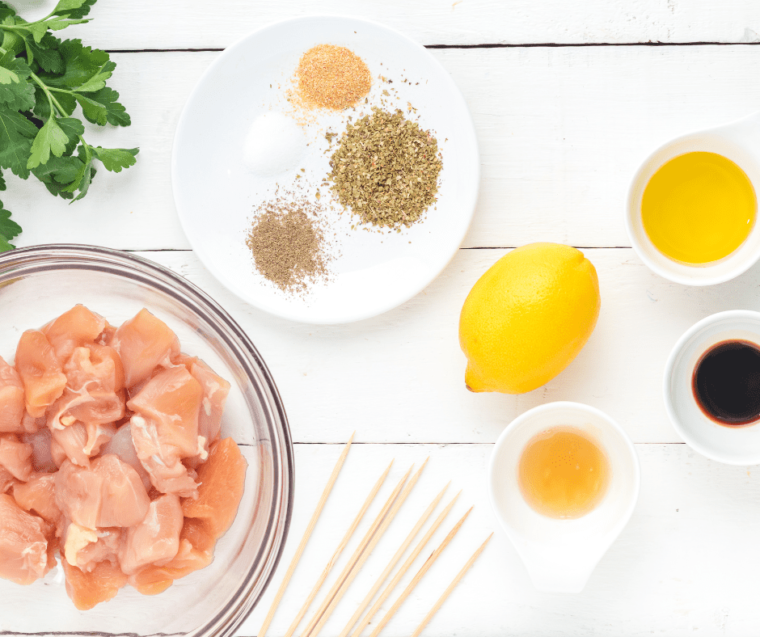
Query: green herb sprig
[42,81]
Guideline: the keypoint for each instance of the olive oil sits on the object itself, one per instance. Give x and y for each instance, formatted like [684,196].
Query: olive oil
[563,473]
[698,208]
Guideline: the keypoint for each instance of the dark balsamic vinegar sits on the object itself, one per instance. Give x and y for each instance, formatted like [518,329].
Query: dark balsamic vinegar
[726,382]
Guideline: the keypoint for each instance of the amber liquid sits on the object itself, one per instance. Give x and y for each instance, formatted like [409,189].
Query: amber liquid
[563,473]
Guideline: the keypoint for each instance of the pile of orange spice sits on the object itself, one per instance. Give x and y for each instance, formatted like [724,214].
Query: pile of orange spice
[332,77]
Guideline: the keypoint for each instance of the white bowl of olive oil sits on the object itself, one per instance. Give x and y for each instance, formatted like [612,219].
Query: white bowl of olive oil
[563,482]
[691,210]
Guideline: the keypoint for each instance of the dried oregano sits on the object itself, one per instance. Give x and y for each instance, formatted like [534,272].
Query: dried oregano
[386,169]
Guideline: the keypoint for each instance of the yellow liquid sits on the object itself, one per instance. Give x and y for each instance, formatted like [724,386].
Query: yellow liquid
[698,208]
[562,473]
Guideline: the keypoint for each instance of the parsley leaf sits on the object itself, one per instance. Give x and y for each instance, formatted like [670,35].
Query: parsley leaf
[115,159]
[8,229]
[101,108]
[15,90]
[16,133]
[82,64]
[50,138]
[58,173]
[74,8]
[46,54]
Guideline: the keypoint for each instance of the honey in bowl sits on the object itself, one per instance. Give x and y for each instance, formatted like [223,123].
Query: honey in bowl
[563,473]
[726,382]
[698,208]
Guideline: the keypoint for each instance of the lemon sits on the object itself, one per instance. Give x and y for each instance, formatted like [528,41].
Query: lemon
[527,318]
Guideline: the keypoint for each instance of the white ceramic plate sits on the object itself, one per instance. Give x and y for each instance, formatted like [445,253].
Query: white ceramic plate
[216,195]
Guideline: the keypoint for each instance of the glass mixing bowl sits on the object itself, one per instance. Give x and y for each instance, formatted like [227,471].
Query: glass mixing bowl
[39,283]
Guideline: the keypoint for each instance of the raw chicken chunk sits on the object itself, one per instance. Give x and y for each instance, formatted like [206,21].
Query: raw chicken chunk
[16,456]
[156,539]
[73,329]
[38,496]
[109,493]
[196,551]
[87,590]
[24,554]
[93,393]
[121,445]
[215,391]
[222,480]
[6,480]
[12,406]
[42,457]
[85,548]
[40,372]
[144,343]
[165,429]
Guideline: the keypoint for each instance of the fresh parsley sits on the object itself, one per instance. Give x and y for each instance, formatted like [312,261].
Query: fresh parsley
[42,82]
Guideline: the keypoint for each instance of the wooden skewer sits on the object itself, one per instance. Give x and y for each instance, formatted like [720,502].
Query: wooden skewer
[356,555]
[305,539]
[404,568]
[338,551]
[450,588]
[425,568]
[391,565]
[363,558]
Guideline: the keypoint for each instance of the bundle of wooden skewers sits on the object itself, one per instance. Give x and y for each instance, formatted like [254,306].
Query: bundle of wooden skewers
[360,620]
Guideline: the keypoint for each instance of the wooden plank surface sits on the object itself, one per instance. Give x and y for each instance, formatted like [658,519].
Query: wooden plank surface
[142,24]
[561,131]
[400,376]
[682,566]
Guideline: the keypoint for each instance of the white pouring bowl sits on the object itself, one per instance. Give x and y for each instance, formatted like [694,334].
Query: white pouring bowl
[737,445]
[738,141]
[560,555]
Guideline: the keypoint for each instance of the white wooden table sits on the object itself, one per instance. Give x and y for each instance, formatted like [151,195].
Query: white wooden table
[567,98]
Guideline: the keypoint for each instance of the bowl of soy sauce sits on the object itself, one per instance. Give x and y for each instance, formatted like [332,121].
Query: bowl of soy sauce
[712,387]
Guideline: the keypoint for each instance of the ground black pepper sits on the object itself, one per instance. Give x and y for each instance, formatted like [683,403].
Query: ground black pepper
[288,245]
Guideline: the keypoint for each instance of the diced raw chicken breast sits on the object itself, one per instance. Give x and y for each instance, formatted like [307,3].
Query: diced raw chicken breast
[6,480]
[215,391]
[196,551]
[79,442]
[222,481]
[156,539]
[87,590]
[93,391]
[165,428]
[85,548]
[106,336]
[40,372]
[33,425]
[144,343]
[12,407]
[109,493]
[121,444]
[16,456]
[37,495]
[73,329]
[42,458]
[23,546]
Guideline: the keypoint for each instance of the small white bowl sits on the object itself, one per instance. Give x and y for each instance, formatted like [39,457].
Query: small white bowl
[738,141]
[560,555]
[738,445]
